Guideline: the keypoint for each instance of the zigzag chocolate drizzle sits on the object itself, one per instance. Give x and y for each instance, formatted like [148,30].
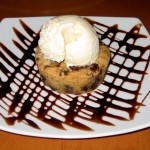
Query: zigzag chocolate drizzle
[23,93]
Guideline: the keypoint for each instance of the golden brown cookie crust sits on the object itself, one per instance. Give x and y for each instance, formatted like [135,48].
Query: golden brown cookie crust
[74,80]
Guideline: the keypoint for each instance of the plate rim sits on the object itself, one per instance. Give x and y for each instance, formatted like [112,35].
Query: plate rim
[67,136]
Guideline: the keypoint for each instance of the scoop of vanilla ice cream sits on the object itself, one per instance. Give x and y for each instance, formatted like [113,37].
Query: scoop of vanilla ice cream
[69,38]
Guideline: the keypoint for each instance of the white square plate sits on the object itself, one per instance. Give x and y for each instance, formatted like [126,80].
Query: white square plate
[119,105]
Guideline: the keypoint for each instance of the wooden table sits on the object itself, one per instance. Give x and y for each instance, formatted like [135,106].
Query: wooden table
[139,140]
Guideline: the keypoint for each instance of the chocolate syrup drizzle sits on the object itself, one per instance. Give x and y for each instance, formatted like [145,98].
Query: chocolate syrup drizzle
[24,94]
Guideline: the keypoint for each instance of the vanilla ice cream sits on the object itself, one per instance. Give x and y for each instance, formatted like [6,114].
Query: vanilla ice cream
[71,39]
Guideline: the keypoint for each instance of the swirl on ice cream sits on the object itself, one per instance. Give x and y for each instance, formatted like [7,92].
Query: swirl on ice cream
[71,39]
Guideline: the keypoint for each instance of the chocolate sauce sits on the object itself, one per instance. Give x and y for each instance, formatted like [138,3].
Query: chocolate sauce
[32,97]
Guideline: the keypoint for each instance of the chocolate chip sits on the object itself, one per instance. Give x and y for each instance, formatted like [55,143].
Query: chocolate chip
[94,67]
[85,88]
[68,88]
[54,63]
[77,68]
[96,82]
[47,66]
[100,72]
[64,72]
[36,58]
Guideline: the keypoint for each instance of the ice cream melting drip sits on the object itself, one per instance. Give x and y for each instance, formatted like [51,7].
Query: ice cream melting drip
[32,98]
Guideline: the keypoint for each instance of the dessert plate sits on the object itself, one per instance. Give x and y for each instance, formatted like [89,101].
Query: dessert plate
[119,105]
